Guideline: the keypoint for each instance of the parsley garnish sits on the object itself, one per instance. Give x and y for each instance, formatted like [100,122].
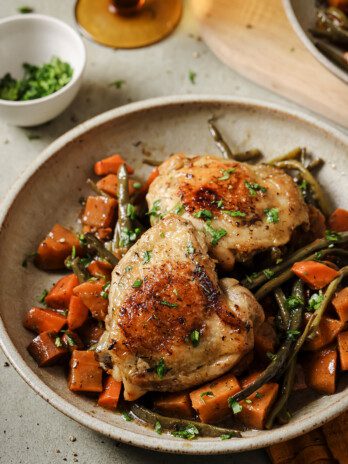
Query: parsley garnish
[293,334]
[254,188]
[315,301]
[250,278]
[331,236]
[206,393]
[192,76]
[42,297]
[318,256]
[25,9]
[58,342]
[73,252]
[188,433]
[147,256]
[127,236]
[303,187]
[234,213]
[226,173]
[158,427]
[227,436]
[178,209]
[203,214]
[259,395]
[194,337]
[33,137]
[162,235]
[235,406]
[137,283]
[272,215]
[161,368]
[154,211]
[216,234]
[105,291]
[27,258]
[248,401]
[118,84]
[268,273]
[131,211]
[190,249]
[293,303]
[127,417]
[167,303]
[137,185]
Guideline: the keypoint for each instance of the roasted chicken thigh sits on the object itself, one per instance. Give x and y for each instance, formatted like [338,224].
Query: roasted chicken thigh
[242,209]
[171,324]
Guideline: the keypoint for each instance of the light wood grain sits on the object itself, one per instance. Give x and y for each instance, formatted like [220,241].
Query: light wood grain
[255,38]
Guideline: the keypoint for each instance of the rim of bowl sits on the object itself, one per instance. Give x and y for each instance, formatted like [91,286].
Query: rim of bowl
[330,65]
[200,447]
[77,71]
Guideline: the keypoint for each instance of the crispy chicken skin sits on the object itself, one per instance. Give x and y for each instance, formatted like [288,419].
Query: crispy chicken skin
[163,292]
[216,185]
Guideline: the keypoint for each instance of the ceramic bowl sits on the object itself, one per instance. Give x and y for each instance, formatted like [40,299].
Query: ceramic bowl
[301,15]
[35,39]
[49,193]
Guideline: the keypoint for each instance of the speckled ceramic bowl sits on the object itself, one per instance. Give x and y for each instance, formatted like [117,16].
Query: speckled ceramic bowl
[301,14]
[49,193]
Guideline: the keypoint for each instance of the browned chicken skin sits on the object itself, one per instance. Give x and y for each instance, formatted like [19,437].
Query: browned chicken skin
[171,323]
[237,196]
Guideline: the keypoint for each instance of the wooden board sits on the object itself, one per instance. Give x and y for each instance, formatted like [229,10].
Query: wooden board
[255,38]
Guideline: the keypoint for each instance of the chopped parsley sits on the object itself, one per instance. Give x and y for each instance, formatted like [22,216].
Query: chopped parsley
[194,337]
[73,252]
[227,436]
[137,283]
[178,209]
[206,393]
[131,211]
[128,268]
[226,173]
[33,137]
[235,406]
[303,187]
[190,249]
[192,76]
[27,258]
[58,342]
[127,417]
[117,84]
[154,211]
[25,9]
[293,303]
[137,185]
[127,236]
[234,213]
[315,301]
[69,339]
[204,214]
[216,234]
[318,256]
[158,427]
[169,304]
[219,203]
[259,395]
[105,291]
[272,215]
[268,273]
[254,188]
[248,401]
[162,235]
[42,297]
[161,368]
[332,237]
[188,433]
[82,239]
[147,256]
[293,334]
[250,278]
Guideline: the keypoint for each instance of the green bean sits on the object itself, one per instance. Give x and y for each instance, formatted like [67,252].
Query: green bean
[98,247]
[336,55]
[330,291]
[247,155]
[317,191]
[152,162]
[293,154]
[282,355]
[124,222]
[219,141]
[298,255]
[170,424]
[315,163]
[283,312]
[335,35]
[96,189]
[285,392]
[301,340]
[80,271]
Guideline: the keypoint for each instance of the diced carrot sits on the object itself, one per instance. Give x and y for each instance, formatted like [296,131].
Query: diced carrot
[317,225]
[99,212]
[109,397]
[47,349]
[110,165]
[341,4]
[44,320]
[91,331]
[59,296]
[265,340]
[152,176]
[343,350]
[98,268]
[340,303]
[327,332]
[320,370]
[109,185]
[174,405]
[72,341]
[338,220]
[90,294]
[77,314]
[85,373]
[211,400]
[56,247]
[255,408]
[315,274]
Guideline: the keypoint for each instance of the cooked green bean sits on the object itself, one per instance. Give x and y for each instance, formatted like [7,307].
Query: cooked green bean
[298,255]
[170,424]
[317,191]
[335,55]
[152,162]
[96,189]
[335,35]
[315,163]
[80,271]
[285,392]
[247,155]
[98,247]
[220,142]
[293,154]
[124,222]
[283,312]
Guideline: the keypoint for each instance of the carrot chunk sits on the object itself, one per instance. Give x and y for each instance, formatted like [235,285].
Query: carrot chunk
[211,400]
[98,268]
[91,331]
[56,247]
[85,373]
[327,332]
[99,212]
[47,349]
[44,320]
[340,303]
[343,350]
[255,408]
[338,220]
[109,397]
[90,294]
[109,185]
[59,296]
[110,165]
[320,369]
[341,4]
[315,274]
[77,314]
[174,405]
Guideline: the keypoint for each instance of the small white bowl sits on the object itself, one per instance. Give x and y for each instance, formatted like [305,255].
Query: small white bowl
[35,39]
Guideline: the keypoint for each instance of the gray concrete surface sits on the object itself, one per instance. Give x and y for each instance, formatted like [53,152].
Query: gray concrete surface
[31,430]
